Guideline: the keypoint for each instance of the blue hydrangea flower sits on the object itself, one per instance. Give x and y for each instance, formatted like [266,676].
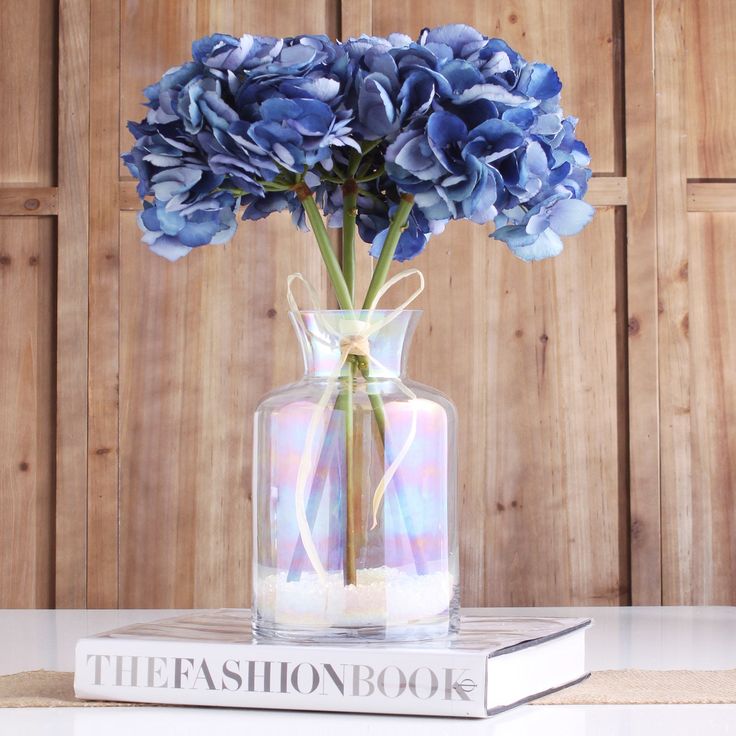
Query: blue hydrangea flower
[173,232]
[256,208]
[299,133]
[225,53]
[460,121]
[537,233]
[450,169]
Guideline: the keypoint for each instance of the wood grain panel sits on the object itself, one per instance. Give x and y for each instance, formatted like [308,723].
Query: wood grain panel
[356,18]
[711,196]
[32,201]
[709,517]
[102,423]
[579,38]
[696,335]
[640,395]
[72,307]
[201,341]
[607,190]
[710,49]
[27,265]
[28,29]
[672,265]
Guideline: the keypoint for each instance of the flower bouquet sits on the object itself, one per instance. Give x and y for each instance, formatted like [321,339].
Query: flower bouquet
[389,139]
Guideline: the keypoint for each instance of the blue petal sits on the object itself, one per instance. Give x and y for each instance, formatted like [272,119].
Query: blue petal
[411,243]
[171,222]
[443,130]
[515,236]
[148,217]
[461,75]
[521,116]
[170,249]
[277,109]
[492,92]
[540,81]
[202,47]
[570,216]
[375,107]
[494,139]
[454,35]
[547,124]
[198,231]
[547,245]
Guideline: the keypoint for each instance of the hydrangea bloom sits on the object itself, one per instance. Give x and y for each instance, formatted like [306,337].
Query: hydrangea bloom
[459,123]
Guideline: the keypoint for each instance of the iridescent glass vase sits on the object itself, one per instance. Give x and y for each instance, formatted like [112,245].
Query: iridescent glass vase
[354,490]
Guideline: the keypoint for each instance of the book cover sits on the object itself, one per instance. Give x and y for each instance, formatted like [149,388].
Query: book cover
[210,658]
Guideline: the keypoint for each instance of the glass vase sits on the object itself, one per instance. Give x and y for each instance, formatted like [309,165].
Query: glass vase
[354,488]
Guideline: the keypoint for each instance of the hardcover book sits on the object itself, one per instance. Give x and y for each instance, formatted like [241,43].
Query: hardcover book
[210,658]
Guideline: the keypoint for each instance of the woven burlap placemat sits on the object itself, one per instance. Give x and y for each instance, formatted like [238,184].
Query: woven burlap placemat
[43,689]
[648,687]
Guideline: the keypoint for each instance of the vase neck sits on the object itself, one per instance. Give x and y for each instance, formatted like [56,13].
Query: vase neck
[324,335]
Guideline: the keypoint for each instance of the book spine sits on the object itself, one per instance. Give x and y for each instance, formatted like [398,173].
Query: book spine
[443,682]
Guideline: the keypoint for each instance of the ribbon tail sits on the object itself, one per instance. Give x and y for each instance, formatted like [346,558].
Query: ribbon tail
[393,468]
[306,472]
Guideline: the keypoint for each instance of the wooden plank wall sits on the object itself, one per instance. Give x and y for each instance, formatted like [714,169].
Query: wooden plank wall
[696,166]
[28,266]
[595,391]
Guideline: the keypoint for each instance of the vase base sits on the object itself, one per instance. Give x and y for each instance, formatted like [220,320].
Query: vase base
[386,604]
[441,629]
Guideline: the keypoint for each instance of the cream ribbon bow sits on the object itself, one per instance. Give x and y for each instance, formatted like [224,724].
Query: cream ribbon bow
[353,338]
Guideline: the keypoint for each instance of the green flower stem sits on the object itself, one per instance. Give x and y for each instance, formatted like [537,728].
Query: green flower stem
[325,246]
[389,248]
[349,566]
[344,293]
[345,398]
[350,211]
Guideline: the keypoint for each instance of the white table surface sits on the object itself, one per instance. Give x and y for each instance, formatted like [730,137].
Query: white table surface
[640,638]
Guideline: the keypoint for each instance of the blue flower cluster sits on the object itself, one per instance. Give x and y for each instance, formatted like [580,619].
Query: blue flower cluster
[458,121]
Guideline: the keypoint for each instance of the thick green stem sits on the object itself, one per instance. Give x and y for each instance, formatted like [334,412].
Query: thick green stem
[349,566]
[345,399]
[350,211]
[325,247]
[343,283]
[389,248]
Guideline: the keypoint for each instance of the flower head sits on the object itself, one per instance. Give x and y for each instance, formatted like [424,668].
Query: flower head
[460,122]
[172,232]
